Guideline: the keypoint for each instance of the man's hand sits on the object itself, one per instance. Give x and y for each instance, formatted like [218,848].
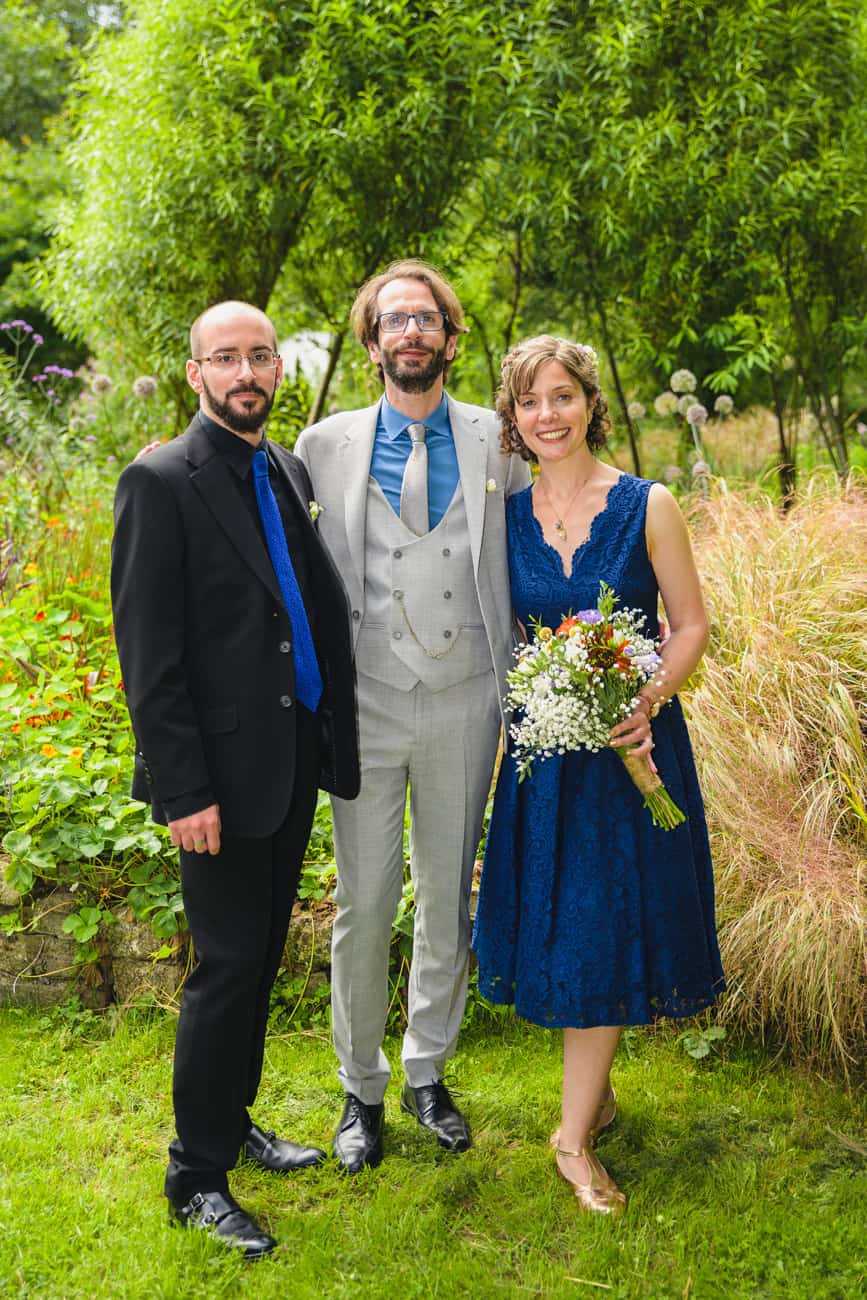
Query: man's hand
[151,446]
[198,833]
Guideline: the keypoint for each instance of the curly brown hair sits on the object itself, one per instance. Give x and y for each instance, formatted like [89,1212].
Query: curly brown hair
[518,371]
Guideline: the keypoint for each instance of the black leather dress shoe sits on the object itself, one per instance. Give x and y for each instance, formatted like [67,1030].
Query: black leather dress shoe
[220,1214]
[435,1110]
[358,1140]
[271,1152]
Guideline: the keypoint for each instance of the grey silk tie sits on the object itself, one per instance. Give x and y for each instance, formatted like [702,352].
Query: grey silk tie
[413,492]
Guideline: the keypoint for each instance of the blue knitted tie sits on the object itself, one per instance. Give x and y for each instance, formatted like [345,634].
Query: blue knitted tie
[308,680]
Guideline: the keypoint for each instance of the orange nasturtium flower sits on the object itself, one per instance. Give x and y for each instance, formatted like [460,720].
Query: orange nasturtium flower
[49,751]
[76,752]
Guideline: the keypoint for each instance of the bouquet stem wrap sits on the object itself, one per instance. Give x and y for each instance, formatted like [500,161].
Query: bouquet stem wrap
[658,802]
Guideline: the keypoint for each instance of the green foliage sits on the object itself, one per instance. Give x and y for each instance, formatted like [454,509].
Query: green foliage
[193,160]
[699,1042]
[64,766]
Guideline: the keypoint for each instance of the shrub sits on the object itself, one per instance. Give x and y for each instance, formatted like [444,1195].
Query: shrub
[778,722]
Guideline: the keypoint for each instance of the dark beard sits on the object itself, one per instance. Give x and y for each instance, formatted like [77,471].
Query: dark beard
[416,381]
[239,421]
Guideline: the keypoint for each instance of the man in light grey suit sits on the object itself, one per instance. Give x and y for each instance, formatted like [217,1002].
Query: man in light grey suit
[412,495]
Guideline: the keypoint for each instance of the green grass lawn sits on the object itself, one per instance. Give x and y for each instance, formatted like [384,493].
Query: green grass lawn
[745,1178]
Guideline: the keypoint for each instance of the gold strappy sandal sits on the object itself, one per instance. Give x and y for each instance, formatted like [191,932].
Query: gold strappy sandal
[601,1195]
[606,1115]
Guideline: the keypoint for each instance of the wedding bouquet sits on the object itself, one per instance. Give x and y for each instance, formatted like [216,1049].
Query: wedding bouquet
[572,684]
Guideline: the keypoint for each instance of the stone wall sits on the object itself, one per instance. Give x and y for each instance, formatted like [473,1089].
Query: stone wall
[37,963]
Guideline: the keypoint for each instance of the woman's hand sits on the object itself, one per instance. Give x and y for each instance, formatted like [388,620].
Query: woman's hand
[634,733]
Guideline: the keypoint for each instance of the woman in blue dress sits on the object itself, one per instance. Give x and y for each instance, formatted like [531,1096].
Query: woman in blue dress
[589,917]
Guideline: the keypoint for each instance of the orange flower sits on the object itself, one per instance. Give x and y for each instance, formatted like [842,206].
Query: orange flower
[52,522]
[76,752]
[39,616]
[567,625]
[48,750]
[15,728]
[30,570]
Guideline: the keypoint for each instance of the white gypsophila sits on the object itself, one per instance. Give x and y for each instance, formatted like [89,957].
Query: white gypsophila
[636,410]
[665,403]
[683,381]
[553,724]
[685,402]
[724,405]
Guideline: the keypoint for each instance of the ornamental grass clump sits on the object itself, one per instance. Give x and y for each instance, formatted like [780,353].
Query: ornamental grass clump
[778,721]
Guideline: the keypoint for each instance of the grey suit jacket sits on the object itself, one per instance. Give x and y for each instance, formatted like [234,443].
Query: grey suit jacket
[337,452]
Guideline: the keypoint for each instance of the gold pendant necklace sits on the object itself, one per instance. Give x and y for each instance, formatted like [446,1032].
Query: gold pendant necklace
[559,524]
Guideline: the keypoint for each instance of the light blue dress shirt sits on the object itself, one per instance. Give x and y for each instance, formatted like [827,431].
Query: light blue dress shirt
[391,448]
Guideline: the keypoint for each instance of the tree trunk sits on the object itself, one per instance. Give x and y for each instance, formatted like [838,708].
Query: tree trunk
[334,348]
[786,468]
[615,374]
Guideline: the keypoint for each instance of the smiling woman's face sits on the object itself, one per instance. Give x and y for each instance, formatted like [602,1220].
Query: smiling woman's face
[552,417]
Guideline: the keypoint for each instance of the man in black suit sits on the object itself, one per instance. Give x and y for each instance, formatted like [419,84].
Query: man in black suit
[216,655]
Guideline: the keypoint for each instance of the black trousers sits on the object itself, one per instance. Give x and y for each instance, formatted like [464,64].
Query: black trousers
[238,906]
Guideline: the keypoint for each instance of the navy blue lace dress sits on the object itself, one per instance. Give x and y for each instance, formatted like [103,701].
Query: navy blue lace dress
[587,914]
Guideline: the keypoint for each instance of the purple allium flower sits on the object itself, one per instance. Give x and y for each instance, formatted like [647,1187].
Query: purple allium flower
[49,392]
[724,405]
[697,414]
[91,416]
[683,381]
[145,387]
[671,473]
[665,403]
[89,437]
[101,384]
[701,469]
[589,615]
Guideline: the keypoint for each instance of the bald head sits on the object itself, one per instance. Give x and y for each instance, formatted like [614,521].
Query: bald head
[224,317]
[234,367]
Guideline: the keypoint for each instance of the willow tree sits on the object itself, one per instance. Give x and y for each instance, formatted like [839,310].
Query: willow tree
[192,163]
[220,151]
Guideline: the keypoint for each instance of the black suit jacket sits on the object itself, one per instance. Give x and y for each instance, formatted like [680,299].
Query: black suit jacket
[205,642]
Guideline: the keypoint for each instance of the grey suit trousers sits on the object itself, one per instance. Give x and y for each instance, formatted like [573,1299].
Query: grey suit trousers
[442,744]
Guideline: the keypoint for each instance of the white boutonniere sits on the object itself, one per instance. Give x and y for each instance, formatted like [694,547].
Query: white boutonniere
[491,485]
[315,510]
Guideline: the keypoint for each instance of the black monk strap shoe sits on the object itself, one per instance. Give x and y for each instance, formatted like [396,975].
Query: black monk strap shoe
[435,1110]
[271,1152]
[221,1215]
[358,1140]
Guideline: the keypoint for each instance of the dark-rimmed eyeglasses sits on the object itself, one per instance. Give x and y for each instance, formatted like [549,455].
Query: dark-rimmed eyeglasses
[260,359]
[395,322]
